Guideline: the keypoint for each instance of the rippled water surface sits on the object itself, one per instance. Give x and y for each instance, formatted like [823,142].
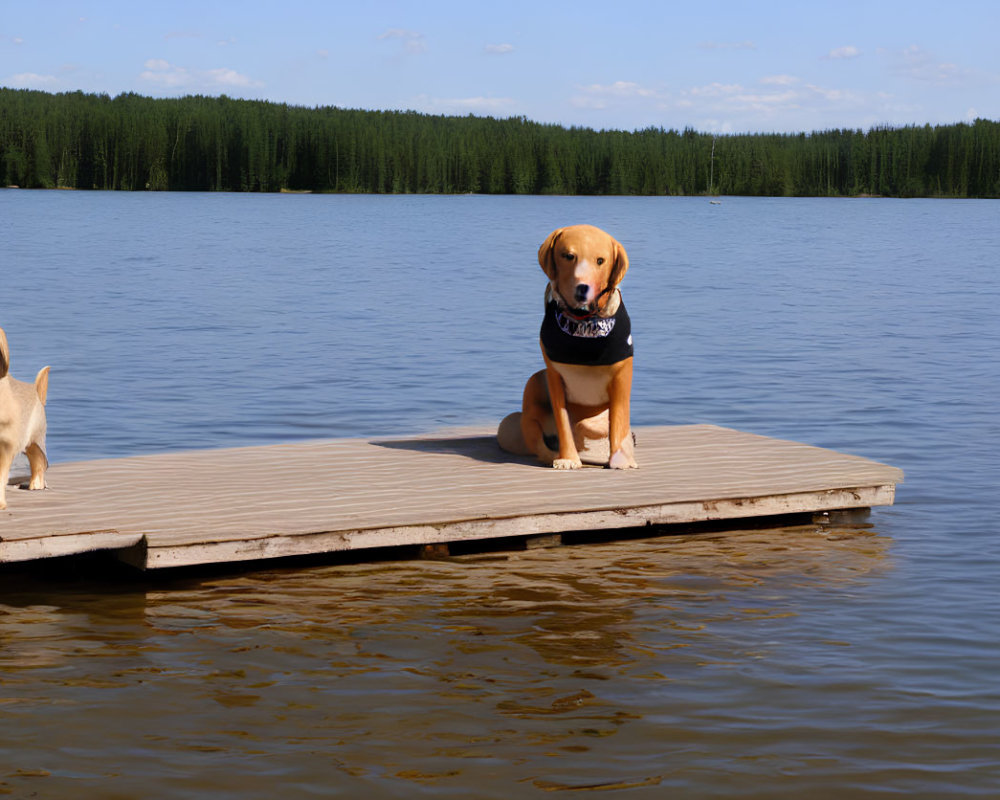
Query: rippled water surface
[820,662]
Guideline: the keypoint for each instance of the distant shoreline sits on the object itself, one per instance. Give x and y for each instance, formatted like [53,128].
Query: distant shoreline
[703,195]
[197,143]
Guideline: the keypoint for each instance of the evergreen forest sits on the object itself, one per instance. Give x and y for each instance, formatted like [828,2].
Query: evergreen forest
[196,143]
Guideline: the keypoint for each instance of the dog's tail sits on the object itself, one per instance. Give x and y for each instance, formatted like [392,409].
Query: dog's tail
[4,355]
[42,384]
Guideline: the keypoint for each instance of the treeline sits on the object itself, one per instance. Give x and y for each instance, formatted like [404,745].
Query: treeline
[130,142]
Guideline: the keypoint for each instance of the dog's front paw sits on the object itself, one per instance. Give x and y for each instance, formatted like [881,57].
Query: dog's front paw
[567,463]
[622,461]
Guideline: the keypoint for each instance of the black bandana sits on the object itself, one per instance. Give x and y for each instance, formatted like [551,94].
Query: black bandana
[591,341]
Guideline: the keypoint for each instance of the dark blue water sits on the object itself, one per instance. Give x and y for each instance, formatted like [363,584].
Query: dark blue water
[843,663]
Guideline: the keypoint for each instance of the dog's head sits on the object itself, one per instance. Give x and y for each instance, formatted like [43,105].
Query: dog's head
[584,265]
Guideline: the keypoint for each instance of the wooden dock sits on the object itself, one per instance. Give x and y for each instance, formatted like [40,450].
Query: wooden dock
[239,504]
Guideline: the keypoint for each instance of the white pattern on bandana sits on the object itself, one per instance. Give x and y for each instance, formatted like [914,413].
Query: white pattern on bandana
[589,328]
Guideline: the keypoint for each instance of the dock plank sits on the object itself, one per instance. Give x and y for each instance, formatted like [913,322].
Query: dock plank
[259,502]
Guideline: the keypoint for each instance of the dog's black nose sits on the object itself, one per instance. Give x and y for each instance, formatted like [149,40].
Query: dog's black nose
[582,290]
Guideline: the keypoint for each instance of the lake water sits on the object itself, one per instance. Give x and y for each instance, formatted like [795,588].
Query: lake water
[806,662]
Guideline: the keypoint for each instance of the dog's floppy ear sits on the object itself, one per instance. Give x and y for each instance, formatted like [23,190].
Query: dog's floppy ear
[4,355]
[620,266]
[545,258]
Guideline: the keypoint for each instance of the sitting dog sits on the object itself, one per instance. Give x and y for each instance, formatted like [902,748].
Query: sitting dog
[577,408]
[22,422]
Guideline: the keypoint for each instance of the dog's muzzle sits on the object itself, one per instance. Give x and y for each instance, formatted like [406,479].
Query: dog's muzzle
[582,309]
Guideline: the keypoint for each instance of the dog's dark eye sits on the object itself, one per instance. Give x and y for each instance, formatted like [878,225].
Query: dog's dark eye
[600,261]
[568,256]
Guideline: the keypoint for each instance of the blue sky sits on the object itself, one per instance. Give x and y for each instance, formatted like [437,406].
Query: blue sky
[716,66]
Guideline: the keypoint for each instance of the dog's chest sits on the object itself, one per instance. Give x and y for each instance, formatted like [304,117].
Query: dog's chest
[586,386]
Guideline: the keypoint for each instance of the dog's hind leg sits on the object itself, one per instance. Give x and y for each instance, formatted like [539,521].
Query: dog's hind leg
[36,450]
[511,438]
[6,459]
[39,463]
[536,418]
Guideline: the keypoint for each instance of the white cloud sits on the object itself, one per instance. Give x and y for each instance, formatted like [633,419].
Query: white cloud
[499,49]
[464,105]
[834,96]
[229,77]
[412,41]
[847,51]
[764,101]
[718,126]
[31,80]
[922,66]
[786,94]
[777,102]
[617,94]
[161,72]
[772,102]
[620,89]
[916,63]
[779,80]
[714,90]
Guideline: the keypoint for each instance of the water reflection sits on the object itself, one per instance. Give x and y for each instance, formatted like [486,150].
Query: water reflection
[461,674]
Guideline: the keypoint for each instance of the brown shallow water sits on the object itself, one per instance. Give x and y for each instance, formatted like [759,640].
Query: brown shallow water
[636,666]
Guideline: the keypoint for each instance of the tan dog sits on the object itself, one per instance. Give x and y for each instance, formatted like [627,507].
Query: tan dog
[22,422]
[577,408]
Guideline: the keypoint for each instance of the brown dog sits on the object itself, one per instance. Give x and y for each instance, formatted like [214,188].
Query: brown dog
[580,401]
[22,422]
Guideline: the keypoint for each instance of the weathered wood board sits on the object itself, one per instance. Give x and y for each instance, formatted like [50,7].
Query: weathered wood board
[247,503]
